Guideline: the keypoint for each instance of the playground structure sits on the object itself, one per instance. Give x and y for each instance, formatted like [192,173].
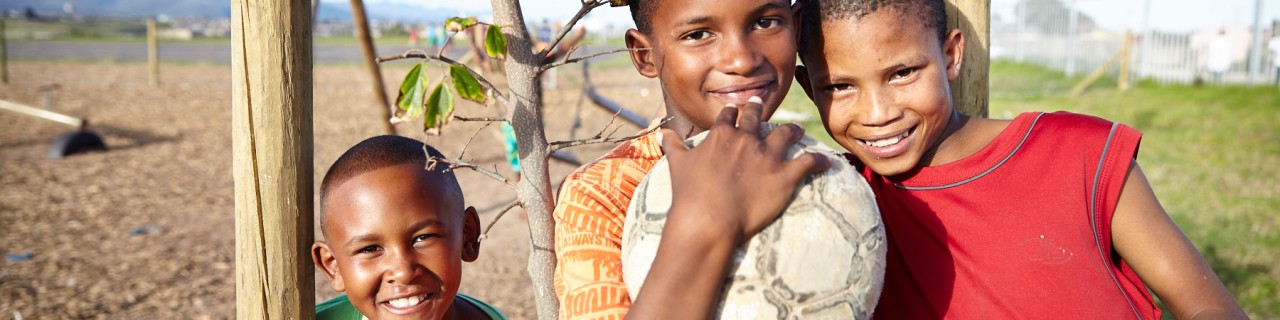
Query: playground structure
[79,139]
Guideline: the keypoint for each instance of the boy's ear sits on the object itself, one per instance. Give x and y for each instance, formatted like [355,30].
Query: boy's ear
[802,77]
[324,259]
[641,59]
[471,235]
[953,48]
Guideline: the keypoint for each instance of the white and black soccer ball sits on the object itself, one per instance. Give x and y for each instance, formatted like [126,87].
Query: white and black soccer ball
[823,258]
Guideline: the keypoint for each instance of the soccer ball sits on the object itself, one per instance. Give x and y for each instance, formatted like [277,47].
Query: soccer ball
[823,258]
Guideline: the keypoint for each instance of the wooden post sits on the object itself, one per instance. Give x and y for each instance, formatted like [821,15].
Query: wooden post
[371,60]
[272,158]
[970,93]
[4,56]
[153,55]
[1122,81]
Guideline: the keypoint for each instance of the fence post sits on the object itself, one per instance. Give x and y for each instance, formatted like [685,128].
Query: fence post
[370,60]
[1122,81]
[1020,11]
[1070,68]
[1148,36]
[973,18]
[272,138]
[1255,56]
[4,56]
[153,55]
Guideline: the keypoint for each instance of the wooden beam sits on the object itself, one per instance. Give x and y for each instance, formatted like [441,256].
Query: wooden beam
[4,56]
[970,92]
[153,55]
[272,158]
[371,61]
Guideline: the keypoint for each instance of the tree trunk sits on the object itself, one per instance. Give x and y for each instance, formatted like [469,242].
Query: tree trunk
[534,188]
[371,61]
[973,18]
[272,160]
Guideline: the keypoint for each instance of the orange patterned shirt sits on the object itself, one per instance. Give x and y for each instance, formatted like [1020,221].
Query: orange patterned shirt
[589,216]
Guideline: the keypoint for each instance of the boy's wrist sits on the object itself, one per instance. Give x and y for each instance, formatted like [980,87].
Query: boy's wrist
[699,225]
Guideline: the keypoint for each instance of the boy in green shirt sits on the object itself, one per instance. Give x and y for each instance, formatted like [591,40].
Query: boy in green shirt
[396,235]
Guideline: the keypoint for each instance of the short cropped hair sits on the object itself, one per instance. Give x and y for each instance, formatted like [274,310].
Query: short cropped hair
[381,152]
[931,13]
[642,14]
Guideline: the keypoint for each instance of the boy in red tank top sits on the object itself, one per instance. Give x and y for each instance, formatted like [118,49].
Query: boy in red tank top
[1043,216]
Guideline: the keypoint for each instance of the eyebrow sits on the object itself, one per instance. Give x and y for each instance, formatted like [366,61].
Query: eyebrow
[365,238]
[757,11]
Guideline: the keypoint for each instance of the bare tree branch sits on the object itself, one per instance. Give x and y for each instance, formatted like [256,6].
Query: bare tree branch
[568,60]
[478,119]
[473,137]
[419,54]
[604,138]
[432,162]
[485,235]
[446,44]
[587,6]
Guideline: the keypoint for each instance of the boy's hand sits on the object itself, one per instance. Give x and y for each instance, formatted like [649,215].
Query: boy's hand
[735,179]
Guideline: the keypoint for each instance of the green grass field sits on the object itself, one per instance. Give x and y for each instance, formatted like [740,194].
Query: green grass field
[1212,154]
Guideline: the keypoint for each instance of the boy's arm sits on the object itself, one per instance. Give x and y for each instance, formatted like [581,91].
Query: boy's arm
[1164,258]
[724,191]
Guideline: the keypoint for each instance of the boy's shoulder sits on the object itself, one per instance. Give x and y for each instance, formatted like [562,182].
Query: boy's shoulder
[340,308]
[630,160]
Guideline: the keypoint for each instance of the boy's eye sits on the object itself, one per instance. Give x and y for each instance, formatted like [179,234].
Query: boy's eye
[840,87]
[369,249]
[904,73]
[766,23]
[696,35]
[424,237]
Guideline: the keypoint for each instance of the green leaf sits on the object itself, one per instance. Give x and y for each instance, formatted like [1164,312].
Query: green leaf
[466,85]
[439,109]
[495,43]
[456,24]
[412,90]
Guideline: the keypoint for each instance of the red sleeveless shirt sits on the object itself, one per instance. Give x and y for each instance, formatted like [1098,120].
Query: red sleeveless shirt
[1019,230]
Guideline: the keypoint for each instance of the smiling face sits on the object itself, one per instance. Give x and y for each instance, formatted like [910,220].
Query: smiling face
[882,88]
[708,53]
[395,242]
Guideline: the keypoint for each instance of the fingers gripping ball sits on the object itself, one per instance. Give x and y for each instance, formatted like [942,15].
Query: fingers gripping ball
[824,257]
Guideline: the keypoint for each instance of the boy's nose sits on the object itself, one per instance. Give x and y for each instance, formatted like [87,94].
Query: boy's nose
[881,109]
[402,270]
[738,55]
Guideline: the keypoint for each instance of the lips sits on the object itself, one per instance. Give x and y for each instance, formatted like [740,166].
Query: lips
[888,145]
[739,93]
[408,305]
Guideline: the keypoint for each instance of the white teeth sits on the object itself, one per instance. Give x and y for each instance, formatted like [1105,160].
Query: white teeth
[406,302]
[886,141]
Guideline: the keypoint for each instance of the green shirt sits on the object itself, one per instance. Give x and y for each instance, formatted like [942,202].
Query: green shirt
[339,308]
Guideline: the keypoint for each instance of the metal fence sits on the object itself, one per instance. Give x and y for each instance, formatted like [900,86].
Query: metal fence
[1170,38]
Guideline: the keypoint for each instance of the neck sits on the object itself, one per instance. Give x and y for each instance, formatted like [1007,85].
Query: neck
[937,155]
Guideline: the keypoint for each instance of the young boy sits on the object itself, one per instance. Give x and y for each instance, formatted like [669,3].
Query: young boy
[1046,215]
[396,235]
[706,54]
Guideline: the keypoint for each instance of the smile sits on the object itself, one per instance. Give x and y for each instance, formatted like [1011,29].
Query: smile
[407,301]
[740,93]
[885,147]
[881,143]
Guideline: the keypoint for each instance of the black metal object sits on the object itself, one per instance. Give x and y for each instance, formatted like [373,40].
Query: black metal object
[74,142]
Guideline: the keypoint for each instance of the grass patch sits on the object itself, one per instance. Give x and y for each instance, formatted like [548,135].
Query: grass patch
[1210,153]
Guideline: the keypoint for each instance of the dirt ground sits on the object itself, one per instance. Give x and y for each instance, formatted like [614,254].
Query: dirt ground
[145,230]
